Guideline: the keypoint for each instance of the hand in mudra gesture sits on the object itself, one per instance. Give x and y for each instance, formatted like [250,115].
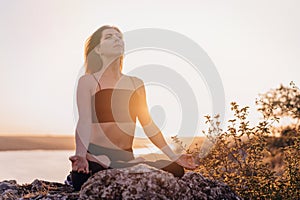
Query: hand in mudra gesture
[79,164]
[187,161]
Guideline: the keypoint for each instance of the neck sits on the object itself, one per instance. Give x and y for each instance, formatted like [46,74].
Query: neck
[111,67]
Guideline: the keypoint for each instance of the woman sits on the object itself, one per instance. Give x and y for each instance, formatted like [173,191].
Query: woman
[108,104]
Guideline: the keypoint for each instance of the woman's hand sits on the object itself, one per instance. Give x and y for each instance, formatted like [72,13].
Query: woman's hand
[79,164]
[187,161]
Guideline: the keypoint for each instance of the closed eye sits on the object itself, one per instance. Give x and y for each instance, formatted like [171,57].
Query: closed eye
[110,35]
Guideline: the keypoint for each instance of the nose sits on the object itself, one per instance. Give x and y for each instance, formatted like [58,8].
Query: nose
[118,40]
[116,37]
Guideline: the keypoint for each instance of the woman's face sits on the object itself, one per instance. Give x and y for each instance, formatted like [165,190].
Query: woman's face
[111,43]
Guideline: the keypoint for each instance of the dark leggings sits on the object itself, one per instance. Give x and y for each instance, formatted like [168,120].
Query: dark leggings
[78,179]
[120,155]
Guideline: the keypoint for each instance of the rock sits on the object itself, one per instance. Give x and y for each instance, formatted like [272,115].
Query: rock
[5,185]
[138,182]
[145,182]
[203,188]
[38,189]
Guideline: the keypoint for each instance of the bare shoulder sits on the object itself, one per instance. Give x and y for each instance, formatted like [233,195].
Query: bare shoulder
[139,85]
[86,81]
[137,81]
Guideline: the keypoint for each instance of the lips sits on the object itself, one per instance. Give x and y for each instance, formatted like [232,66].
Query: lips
[117,45]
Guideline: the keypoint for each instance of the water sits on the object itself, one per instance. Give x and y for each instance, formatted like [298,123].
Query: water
[25,166]
[54,166]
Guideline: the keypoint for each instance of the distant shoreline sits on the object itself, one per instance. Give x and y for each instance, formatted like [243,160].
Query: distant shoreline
[15,143]
[18,143]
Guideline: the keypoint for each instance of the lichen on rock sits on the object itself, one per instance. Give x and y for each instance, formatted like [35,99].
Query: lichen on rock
[138,182]
[145,182]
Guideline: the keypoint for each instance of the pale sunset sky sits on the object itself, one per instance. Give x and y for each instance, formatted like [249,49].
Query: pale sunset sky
[254,46]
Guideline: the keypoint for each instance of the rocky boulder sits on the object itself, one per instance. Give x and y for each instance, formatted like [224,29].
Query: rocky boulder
[38,189]
[145,182]
[138,182]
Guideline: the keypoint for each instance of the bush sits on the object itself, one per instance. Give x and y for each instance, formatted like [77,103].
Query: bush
[280,102]
[241,156]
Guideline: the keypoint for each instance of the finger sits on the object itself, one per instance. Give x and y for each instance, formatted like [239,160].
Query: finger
[87,170]
[191,167]
[81,170]
[194,166]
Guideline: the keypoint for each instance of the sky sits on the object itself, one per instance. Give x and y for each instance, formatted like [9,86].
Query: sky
[254,46]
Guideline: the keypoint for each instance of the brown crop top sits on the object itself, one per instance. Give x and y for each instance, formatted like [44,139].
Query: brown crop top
[115,105]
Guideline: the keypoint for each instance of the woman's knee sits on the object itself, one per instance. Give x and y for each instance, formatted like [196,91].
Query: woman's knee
[169,166]
[176,169]
[78,179]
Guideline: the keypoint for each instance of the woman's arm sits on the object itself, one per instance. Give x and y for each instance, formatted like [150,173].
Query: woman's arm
[150,128]
[83,128]
[155,135]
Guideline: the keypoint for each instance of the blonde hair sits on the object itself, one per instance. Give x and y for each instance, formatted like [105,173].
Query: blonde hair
[92,60]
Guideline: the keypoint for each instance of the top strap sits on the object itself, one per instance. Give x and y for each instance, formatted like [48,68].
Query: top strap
[97,82]
[131,78]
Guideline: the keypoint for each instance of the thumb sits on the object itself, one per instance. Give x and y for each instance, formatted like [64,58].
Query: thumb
[73,158]
[87,168]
